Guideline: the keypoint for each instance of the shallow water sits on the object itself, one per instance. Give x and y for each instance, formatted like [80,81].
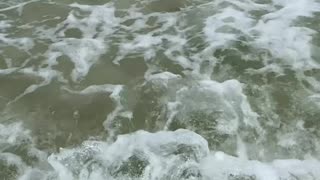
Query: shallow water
[159,89]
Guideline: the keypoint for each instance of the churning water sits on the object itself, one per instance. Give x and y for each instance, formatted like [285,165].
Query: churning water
[160,89]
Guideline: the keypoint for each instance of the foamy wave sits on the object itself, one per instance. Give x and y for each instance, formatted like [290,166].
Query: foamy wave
[181,154]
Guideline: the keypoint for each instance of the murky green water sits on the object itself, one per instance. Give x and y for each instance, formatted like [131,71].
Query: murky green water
[101,89]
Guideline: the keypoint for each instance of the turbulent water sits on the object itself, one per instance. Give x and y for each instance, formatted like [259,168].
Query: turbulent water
[160,89]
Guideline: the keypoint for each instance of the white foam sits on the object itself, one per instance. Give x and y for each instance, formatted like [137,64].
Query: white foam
[229,101]
[12,132]
[7,71]
[223,166]
[161,151]
[102,17]
[21,43]
[161,78]
[119,109]
[161,155]
[216,26]
[14,161]
[46,75]
[222,25]
[4,25]
[283,39]
[114,92]
[18,6]
[276,31]
[83,53]
[16,145]
[96,29]
[315,98]
[108,88]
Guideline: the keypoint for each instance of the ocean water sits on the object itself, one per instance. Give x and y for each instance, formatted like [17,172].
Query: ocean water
[159,90]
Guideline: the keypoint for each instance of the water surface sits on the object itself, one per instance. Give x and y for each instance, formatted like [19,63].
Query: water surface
[159,89]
